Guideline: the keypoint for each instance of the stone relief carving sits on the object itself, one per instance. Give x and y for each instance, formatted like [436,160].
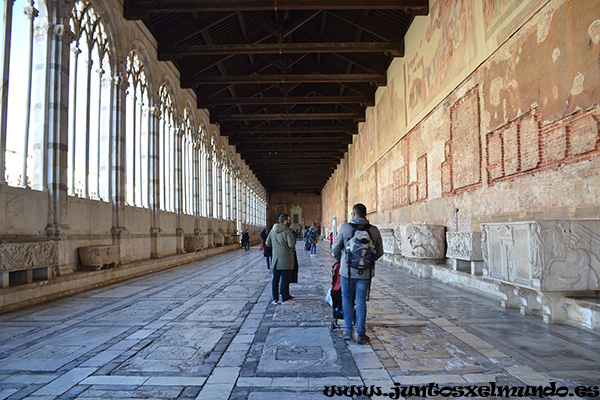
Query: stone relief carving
[464,245]
[574,256]
[423,241]
[545,255]
[390,245]
[20,256]
[537,250]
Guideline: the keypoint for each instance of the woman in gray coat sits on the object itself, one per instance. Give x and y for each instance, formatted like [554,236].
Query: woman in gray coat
[283,245]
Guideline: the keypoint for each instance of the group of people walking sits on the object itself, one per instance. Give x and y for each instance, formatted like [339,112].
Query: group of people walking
[356,247]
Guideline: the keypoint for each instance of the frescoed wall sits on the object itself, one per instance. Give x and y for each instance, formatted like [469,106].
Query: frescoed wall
[335,197]
[445,42]
[493,110]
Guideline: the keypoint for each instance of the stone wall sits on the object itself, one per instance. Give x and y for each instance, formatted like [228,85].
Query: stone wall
[504,125]
[491,116]
[284,201]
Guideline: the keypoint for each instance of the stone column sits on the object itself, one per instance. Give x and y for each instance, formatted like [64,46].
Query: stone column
[196,191]
[209,186]
[39,133]
[58,100]
[31,13]
[154,181]
[5,43]
[179,187]
[117,173]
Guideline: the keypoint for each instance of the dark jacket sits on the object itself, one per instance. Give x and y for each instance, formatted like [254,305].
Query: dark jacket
[283,243]
[341,240]
[267,251]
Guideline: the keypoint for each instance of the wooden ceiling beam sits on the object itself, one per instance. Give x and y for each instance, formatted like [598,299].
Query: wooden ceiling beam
[286,145]
[136,9]
[225,130]
[381,29]
[374,79]
[234,141]
[209,102]
[192,27]
[288,117]
[167,52]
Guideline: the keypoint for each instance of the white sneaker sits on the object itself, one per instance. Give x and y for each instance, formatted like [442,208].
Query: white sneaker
[289,302]
[275,302]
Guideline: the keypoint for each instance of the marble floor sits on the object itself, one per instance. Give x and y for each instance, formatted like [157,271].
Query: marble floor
[207,330]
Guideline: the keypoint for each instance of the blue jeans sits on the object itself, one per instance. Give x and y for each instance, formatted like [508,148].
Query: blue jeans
[283,276]
[313,247]
[268,262]
[360,287]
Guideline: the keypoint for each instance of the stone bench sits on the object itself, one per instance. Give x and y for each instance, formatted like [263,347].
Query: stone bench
[98,257]
[538,263]
[27,262]
[464,248]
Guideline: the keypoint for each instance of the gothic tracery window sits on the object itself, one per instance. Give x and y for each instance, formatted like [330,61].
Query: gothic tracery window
[166,134]
[21,148]
[89,104]
[188,154]
[137,144]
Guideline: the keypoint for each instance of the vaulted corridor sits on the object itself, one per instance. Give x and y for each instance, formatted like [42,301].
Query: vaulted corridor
[206,330]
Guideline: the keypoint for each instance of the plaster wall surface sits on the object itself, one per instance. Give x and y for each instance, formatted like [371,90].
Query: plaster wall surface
[516,138]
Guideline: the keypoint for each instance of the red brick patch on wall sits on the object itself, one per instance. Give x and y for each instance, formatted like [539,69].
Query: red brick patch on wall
[466,141]
[528,147]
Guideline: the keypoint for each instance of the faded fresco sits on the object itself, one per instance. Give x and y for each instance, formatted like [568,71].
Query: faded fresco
[334,196]
[447,45]
[519,131]
[391,121]
[564,43]
[499,16]
[364,190]
[362,153]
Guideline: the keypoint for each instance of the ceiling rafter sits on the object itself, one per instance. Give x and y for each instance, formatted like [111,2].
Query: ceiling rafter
[389,49]
[135,9]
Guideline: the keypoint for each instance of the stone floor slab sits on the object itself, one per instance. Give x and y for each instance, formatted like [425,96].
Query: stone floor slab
[206,330]
[286,350]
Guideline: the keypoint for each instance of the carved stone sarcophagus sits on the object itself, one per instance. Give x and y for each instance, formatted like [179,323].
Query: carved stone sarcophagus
[20,256]
[193,243]
[464,246]
[218,239]
[425,242]
[98,257]
[549,256]
[24,262]
[390,246]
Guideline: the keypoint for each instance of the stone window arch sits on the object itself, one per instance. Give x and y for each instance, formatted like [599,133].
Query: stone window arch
[167,149]
[188,157]
[203,169]
[89,104]
[21,149]
[137,138]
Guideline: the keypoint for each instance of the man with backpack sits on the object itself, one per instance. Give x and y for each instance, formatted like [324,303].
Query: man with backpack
[356,247]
